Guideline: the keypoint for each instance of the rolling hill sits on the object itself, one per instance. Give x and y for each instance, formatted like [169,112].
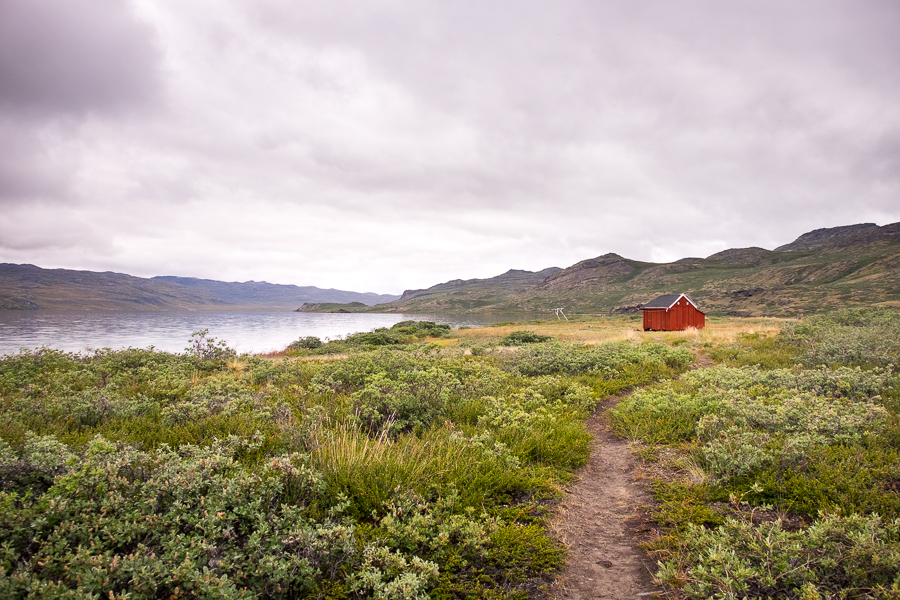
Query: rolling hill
[825,268]
[27,287]
[273,295]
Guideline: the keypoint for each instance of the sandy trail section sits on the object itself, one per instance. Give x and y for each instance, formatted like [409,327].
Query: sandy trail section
[600,525]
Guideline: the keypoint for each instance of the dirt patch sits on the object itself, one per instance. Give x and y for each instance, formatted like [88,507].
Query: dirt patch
[600,523]
[703,361]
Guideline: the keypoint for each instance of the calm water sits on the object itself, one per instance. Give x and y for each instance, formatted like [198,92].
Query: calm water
[170,331]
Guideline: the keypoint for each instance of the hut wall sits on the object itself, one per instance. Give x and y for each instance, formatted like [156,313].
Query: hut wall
[679,317]
[656,319]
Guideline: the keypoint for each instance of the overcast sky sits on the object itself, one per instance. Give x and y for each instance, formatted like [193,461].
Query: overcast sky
[385,145]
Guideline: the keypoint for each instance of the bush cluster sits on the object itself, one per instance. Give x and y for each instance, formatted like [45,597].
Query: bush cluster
[835,557]
[819,443]
[404,332]
[387,474]
[853,336]
[607,359]
[517,338]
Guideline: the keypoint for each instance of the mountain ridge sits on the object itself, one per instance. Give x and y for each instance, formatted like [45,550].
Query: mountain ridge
[29,287]
[824,268]
[262,293]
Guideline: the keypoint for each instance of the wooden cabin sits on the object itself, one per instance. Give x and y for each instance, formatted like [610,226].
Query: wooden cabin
[672,312]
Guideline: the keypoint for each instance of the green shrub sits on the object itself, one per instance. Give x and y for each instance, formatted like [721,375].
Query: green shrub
[421,329]
[855,336]
[407,401]
[843,557]
[374,338]
[517,338]
[309,342]
[208,348]
[606,360]
[156,474]
[681,505]
[769,352]
[164,523]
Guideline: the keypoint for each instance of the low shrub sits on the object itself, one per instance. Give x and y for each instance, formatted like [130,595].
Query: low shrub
[309,342]
[807,441]
[517,338]
[164,523]
[374,338]
[836,557]
[421,329]
[397,471]
[865,337]
[208,348]
[606,360]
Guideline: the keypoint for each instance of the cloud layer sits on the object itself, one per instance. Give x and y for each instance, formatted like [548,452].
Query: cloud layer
[399,144]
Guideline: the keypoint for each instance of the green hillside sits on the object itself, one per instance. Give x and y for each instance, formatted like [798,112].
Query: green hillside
[851,265]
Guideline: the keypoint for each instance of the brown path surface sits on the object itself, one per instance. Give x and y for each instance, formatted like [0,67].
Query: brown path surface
[598,521]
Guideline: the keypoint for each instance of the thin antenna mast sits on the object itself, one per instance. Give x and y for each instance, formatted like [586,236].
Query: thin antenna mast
[558,312]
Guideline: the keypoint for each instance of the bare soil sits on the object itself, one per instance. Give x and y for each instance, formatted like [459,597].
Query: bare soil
[600,523]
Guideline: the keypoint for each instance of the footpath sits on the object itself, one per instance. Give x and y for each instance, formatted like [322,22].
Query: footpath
[600,524]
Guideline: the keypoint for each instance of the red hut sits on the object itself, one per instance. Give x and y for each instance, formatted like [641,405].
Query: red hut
[672,312]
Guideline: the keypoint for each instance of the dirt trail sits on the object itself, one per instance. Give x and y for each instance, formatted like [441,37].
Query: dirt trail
[599,523]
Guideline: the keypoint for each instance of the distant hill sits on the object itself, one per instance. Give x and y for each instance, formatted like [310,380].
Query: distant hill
[825,268]
[332,307]
[27,287]
[273,295]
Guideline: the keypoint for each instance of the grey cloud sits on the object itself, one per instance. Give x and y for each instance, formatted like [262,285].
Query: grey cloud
[439,140]
[59,56]
[28,169]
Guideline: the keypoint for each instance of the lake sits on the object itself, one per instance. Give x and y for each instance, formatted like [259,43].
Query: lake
[170,331]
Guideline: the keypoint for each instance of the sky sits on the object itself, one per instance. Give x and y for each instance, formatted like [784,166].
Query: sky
[396,144]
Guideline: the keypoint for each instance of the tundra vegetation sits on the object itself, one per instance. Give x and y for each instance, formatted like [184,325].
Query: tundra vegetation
[417,462]
[779,470]
[402,470]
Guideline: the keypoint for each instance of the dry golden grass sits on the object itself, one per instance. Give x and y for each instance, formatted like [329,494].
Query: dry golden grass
[614,329]
[236,365]
[720,331]
[589,331]
[593,331]
[442,342]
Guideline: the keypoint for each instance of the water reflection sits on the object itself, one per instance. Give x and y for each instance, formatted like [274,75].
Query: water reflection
[170,331]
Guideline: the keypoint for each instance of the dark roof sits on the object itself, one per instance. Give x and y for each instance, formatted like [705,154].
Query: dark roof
[668,301]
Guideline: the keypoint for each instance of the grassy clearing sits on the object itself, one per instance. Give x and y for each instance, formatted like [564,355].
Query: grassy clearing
[400,470]
[782,464]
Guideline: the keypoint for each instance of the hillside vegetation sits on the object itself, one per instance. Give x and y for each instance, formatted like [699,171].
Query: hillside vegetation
[777,472]
[401,472]
[821,270]
[426,463]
